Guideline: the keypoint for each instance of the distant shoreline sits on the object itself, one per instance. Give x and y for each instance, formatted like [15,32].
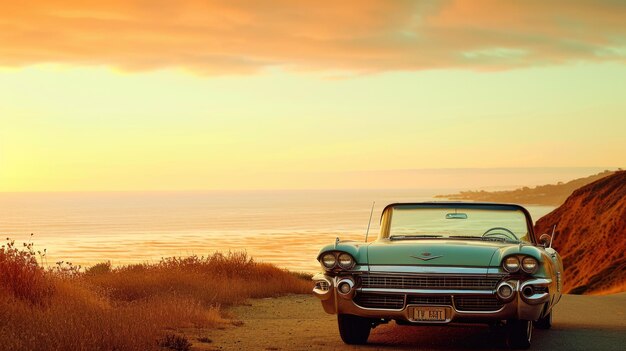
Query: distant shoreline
[549,194]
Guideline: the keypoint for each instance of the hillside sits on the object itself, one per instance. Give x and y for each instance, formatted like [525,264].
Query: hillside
[591,236]
[549,194]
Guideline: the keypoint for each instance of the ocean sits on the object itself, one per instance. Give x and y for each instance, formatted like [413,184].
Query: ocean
[284,227]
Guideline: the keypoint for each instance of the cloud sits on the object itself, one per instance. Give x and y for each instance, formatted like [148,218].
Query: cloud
[241,37]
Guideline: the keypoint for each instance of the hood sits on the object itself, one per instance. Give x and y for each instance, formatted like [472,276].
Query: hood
[452,252]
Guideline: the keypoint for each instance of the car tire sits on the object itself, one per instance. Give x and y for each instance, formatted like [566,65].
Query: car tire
[520,333]
[545,322]
[354,330]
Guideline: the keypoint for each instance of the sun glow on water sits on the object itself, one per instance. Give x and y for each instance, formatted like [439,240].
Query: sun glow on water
[286,227]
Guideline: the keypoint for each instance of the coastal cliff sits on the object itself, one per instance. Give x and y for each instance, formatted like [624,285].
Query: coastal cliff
[591,236]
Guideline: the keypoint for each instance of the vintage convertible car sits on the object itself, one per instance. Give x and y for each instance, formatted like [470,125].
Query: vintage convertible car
[443,262]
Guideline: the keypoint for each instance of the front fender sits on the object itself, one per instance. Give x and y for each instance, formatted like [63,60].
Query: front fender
[546,266]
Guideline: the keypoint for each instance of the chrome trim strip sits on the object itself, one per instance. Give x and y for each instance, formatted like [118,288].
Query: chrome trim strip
[539,282]
[479,312]
[381,309]
[428,269]
[426,291]
[496,270]
[358,268]
[450,275]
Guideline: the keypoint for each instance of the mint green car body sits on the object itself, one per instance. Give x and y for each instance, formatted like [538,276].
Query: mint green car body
[385,252]
[464,279]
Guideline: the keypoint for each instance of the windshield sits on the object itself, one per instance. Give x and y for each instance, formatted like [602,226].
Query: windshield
[417,221]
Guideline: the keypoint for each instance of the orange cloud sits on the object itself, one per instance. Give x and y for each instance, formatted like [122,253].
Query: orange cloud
[223,37]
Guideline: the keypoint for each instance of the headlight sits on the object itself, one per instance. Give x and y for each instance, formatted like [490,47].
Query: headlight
[346,261]
[511,264]
[329,260]
[529,265]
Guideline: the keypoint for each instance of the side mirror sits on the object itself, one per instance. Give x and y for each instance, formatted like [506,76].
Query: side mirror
[545,239]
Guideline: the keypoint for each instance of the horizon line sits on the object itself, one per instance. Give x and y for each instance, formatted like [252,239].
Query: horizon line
[257,189]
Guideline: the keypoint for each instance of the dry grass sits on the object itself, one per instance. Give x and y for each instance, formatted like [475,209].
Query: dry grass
[20,275]
[126,308]
[217,279]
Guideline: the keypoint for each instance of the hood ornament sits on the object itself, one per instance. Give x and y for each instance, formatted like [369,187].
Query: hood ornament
[426,256]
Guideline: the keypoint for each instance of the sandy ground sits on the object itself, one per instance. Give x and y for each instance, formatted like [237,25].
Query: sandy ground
[297,322]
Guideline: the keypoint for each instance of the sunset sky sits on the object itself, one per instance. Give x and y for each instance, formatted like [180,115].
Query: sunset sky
[171,95]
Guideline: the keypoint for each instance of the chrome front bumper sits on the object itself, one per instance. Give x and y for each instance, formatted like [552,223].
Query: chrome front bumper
[518,306]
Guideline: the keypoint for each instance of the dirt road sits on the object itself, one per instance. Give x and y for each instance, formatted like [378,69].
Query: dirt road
[298,323]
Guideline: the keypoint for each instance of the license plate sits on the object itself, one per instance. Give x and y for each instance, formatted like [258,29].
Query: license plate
[433,314]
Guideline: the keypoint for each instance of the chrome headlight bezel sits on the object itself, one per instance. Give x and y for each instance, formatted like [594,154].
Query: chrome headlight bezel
[532,263]
[520,263]
[511,264]
[337,261]
[348,260]
[328,260]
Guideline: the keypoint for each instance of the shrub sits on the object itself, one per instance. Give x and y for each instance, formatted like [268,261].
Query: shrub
[100,268]
[21,276]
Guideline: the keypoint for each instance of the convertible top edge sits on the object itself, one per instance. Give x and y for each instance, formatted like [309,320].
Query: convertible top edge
[493,206]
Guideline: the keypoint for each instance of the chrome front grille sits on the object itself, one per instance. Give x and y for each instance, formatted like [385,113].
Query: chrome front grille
[383,301]
[397,301]
[429,300]
[429,282]
[477,303]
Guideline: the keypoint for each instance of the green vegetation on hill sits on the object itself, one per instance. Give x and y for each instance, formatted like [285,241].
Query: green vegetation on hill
[549,194]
